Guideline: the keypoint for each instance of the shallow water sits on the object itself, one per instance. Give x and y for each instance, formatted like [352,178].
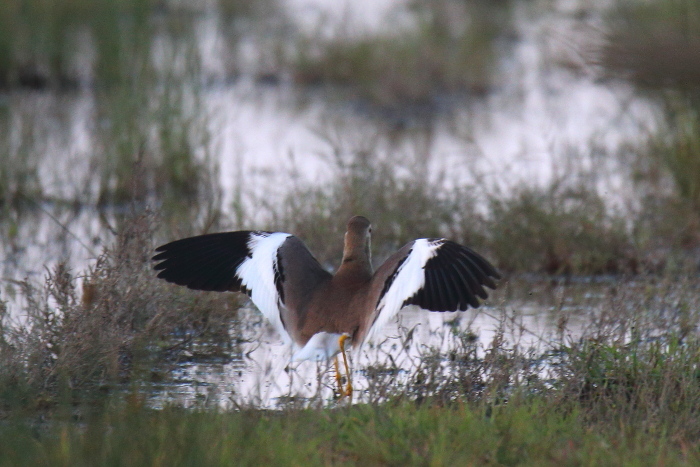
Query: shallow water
[260,374]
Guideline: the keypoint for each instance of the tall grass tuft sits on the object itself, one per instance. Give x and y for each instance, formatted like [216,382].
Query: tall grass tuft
[72,344]
[559,230]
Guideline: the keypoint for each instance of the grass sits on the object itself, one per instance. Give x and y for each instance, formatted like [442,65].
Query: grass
[151,136]
[154,143]
[675,148]
[528,432]
[667,175]
[364,181]
[157,146]
[681,157]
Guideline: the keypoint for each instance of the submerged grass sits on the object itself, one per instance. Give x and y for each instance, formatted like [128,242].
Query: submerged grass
[156,146]
[150,134]
[73,43]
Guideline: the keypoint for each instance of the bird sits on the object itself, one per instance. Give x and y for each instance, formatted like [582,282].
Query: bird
[319,313]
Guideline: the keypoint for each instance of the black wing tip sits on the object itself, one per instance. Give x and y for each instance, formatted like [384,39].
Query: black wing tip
[488,282]
[493,273]
[203,262]
[482,264]
[161,256]
[456,280]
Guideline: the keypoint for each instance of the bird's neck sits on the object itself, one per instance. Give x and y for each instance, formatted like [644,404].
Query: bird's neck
[357,262]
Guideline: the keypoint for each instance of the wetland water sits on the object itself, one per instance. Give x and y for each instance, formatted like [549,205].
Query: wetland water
[547,114]
[260,374]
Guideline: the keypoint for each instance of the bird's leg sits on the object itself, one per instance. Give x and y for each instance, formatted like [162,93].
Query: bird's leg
[341,342]
[338,378]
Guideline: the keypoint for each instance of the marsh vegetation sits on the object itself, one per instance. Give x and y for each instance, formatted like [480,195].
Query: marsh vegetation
[126,124]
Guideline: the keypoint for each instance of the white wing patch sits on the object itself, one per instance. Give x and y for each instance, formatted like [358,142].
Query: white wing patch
[257,274]
[409,279]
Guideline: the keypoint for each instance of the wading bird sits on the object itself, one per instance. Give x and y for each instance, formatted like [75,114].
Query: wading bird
[320,312]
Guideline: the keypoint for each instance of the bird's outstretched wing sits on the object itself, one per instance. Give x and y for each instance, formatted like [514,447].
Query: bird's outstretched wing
[273,268]
[434,274]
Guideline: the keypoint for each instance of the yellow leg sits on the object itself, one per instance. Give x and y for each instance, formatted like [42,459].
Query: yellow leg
[338,378]
[341,342]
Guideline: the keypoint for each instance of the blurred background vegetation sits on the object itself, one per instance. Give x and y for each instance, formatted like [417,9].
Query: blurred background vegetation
[141,73]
